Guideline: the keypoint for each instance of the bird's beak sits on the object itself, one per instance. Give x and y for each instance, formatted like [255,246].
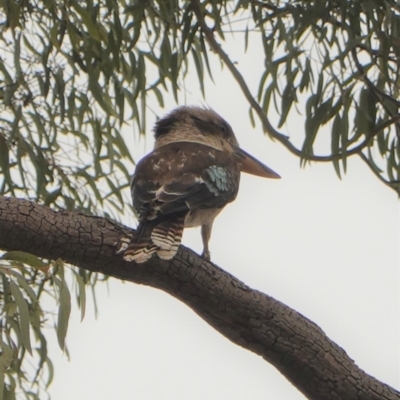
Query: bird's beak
[252,166]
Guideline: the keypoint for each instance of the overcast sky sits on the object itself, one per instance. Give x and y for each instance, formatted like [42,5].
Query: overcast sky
[325,247]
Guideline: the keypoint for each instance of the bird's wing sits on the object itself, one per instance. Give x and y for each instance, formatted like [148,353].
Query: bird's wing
[184,176]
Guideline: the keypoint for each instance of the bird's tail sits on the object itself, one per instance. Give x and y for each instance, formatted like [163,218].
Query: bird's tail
[162,236]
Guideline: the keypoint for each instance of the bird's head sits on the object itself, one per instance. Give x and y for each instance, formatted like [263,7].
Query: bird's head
[206,127]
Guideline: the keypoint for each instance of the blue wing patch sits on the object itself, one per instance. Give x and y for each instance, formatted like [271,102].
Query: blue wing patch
[219,179]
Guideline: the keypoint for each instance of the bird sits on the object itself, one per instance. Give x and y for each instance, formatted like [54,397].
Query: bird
[192,173]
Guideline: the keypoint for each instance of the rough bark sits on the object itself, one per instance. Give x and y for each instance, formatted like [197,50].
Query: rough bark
[297,347]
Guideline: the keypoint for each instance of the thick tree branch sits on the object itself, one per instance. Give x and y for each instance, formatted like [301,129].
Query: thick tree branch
[297,347]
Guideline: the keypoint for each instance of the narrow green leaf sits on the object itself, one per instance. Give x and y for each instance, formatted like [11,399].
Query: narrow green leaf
[25,258]
[9,393]
[50,372]
[4,159]
[391,164]
[306,77]
[96,309]
[174,68]
[81,293]
[87,20]
[119,101]
[100,95]
[199,68]
[311,130]
[204,52]
[121,144]
[64,311]
[323,112]
[165,56]
[17,56]
[6,358]
[97,135]
[22,282]
[186,23]
[2,369]
[23,314]
[159,96]
[143,106]
[335,139]
[344,138]
[8,80]
[288,96]
[261,85]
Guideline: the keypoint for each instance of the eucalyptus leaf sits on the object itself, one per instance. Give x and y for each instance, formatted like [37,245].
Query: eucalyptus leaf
[25,258]
[64,311]
[23,314]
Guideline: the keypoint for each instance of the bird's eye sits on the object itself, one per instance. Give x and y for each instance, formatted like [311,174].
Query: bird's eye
[224,128]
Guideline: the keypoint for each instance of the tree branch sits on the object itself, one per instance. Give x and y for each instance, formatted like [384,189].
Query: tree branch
[297,347]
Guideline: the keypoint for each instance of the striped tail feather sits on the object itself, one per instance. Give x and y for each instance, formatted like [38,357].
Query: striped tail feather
[160,237]
[167,236]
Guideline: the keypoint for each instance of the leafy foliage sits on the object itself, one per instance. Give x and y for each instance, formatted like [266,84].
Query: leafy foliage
[341,67]
[77,80]
[34,296]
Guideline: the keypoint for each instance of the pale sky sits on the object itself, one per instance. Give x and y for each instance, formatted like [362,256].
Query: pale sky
[325,247]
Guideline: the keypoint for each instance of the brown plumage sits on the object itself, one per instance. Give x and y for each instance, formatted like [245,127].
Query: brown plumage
[192,173]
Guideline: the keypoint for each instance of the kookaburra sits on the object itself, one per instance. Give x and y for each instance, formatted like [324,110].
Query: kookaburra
[192,173]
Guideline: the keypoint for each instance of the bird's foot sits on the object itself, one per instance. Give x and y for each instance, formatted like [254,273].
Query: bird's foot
[206,255]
